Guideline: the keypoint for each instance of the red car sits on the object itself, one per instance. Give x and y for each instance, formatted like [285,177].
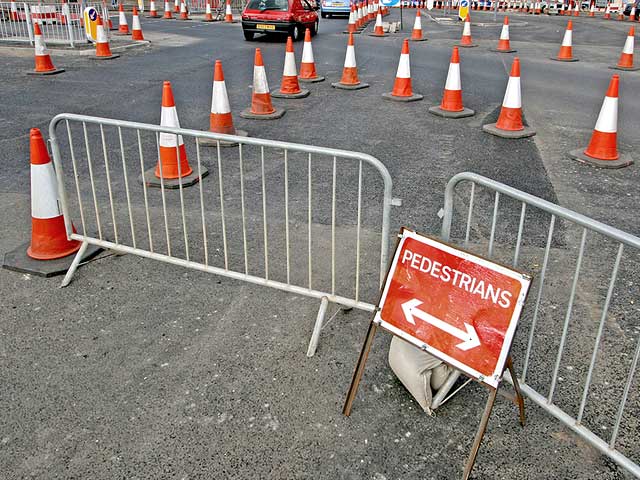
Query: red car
[290,17]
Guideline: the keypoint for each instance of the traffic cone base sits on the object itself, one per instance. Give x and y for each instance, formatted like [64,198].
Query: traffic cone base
[50,72]
[280,94]
[414,97]
[151,177]
[624,160]
[277,113]
[347,86]
[498,132]
[500,50]
[423,39]
[465,112]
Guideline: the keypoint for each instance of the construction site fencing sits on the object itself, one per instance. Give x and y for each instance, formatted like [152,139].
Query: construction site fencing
[60,23]
[200,6]
[270,213]
[578,344]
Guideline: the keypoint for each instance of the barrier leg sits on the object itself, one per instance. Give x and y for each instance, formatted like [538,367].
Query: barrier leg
[74,264]
[480,434]
[317,328]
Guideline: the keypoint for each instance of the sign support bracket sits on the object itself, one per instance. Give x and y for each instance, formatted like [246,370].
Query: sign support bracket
[362,360]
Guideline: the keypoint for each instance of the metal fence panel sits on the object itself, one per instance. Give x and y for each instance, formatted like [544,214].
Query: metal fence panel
[579,342]
[271,213]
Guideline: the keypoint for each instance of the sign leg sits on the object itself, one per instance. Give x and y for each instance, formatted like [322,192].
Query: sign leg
[516,388]
[480,434]
[357,374]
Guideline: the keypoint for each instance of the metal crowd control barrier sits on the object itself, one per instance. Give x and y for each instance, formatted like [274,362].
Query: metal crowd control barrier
[583,343]
[271,213]
[59,23]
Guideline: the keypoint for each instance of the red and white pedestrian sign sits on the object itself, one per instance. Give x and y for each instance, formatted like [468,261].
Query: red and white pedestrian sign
[459,307]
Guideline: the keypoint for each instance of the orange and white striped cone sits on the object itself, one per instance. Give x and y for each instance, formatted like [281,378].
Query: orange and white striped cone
[620,15]
[49,251]
[261,106]
[466,40]
[576,9]
[592,10]
[208,16]
[358,16]
[632,14]
[103,50]
[626,58]
[172,169]
[509,124]
[602,150]
[451,105]
[153,12]
[220,119]
[290,87]
[416,33]
[402,90]
[123,26]
[184,15]
[43,63]
[504,44]
[350,80]
[537,9]
[371,15]
[566,50]
[228,15]
[167,10]
[308,72]
[136,32]
[377,29]
[351,25]
[176,6]
[607,12]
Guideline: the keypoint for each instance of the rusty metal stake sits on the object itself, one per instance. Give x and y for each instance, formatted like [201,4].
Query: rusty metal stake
[357,374]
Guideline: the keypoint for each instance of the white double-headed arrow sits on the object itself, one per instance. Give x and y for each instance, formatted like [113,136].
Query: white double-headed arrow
[470,337]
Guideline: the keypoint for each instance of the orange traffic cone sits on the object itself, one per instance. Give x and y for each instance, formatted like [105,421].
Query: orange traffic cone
[402,90]
[173,169]
[228,16]
[509,124]
[504,44]
[602,150]
[103,50]
[136,33]
[167,10]
[220,119]
[44,65]
[607,12]
[351,25]
[466,40]
[632,14]
[290,87]
[592,10]
[49,251]
[184,15]
[153,13]
[576,10]
[308,72]
[123,26]
[416,34]
[566,50]
[208,17]
[176,6]
[451,106]
[377,29]
[261,106]
[626,58]
[48,233]
[350,80]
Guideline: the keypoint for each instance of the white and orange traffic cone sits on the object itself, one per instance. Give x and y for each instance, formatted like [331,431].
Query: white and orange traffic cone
[49,251]
[172,169]
[123,26]
[184,15]
[509,124]
[350,80]
[504,44]
[208,16]
[176,6]
[153,13]
[566,49]
[103,50]
[351,24]
[576,10]
[626,58]
[220,119]
[290,87]
[592,10]
[136,32]
[377,29]
[261,106]
[451,105]
[466,40]
[43,63]
[417,34]
[228,15]
[632,14]
[308,72]
[402,90]
[607,12]
[167,10]
[602,150]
